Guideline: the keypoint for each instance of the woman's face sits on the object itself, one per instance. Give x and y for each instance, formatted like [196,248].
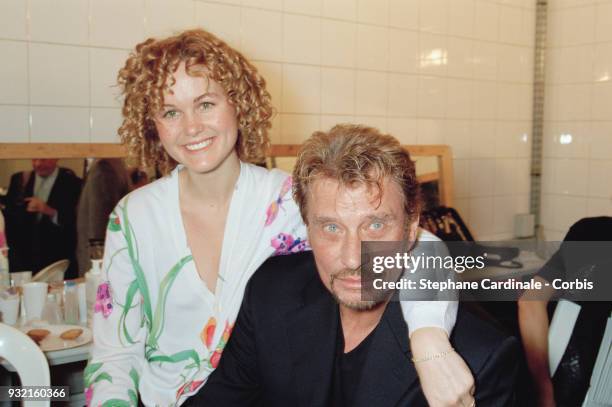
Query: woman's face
[197,125]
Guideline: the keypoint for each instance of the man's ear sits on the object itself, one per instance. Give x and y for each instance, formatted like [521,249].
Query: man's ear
[413,229]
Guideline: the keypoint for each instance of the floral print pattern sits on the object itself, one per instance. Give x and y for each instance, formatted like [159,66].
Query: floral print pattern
[104,301]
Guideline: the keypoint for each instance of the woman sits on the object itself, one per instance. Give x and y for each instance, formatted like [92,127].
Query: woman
[180,251]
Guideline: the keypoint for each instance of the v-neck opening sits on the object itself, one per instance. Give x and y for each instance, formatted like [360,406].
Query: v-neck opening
[205,289]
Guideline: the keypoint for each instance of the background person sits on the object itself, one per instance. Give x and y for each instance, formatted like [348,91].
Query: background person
[106,183]
[41,217]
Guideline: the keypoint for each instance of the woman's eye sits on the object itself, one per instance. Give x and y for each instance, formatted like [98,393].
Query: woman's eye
[170,114]
[206,105]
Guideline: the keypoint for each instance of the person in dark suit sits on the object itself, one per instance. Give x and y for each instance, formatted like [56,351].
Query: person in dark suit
[41,215]
[304,335]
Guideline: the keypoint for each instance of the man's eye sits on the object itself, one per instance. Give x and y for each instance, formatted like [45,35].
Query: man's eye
[331,228]
[170,114]
[376,226]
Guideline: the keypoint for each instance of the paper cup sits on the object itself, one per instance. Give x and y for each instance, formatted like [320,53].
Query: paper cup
[10,309]
[34,296]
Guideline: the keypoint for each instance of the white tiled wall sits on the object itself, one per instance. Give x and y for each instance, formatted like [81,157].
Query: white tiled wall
[578,115]
[457,72]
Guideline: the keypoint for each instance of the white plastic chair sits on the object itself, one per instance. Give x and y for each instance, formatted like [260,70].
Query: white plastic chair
[27,359]
[53,273]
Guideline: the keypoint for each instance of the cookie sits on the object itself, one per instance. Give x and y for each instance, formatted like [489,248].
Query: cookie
[71,334]
[38,335]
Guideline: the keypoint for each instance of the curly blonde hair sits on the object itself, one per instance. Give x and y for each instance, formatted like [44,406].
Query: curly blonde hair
[354,155]
[148,75]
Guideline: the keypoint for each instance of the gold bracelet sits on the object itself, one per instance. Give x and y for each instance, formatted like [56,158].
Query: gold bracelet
[434,356]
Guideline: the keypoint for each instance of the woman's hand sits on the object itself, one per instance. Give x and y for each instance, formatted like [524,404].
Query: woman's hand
[447,380]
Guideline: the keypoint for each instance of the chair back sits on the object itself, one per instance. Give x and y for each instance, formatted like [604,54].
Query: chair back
[53,273]
[27,359]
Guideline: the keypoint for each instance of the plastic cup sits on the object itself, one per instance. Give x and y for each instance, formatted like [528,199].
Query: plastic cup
[34,296]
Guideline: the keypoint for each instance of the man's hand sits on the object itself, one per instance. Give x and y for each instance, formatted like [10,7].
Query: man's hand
[37,205]
[446,381]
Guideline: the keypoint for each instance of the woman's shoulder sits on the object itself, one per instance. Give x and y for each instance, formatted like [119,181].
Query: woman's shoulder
[264,179]
[156,195]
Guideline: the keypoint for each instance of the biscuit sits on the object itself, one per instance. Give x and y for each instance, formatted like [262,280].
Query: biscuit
[38,334]
[71,334]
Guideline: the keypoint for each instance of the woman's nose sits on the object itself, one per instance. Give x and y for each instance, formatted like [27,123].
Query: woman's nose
[193,125]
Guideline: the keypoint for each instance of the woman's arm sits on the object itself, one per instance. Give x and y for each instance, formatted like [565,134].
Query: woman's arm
[119,322]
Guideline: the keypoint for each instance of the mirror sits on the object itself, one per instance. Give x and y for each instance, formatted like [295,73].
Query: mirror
[76,197]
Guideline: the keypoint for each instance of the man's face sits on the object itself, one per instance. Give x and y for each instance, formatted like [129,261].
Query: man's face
[339,218]
[43,167]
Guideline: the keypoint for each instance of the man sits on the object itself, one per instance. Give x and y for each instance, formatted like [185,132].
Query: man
[41,212]
[304,336]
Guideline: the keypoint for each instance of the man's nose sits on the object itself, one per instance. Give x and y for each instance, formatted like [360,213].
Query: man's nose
[351,251]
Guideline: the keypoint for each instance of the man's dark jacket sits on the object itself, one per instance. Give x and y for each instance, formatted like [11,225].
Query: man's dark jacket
[33,243]
[282,349]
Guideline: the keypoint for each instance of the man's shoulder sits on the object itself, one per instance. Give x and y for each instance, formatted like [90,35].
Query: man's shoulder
[283,276]
[67,175]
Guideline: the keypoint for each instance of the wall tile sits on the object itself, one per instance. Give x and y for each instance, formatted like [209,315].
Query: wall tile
[164,17]
[296,128]
[433,16]
[432,96]
[460,58]
[342,9]
[13,19]
[461,18]
[311,7]
[433,54]
[404,14]
[403,90]
[371,94]
[372,47]
[459,102]
[105,65]
[600,146]
[59,75]
[273,74]
[431,131]
[262,34]
[219,19]
[602,98]
[338,43]
[301,39]
[337,91]
[603,29]
[403,129]
[458,137]
[485,60]
[14,121]
[60,124]
[511,25]
[63,21]
[486,21]
[276,5]
[14,84]
[301,89]
[105,124]
[599,172]
[120,30]
[403,51]
[373,11]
